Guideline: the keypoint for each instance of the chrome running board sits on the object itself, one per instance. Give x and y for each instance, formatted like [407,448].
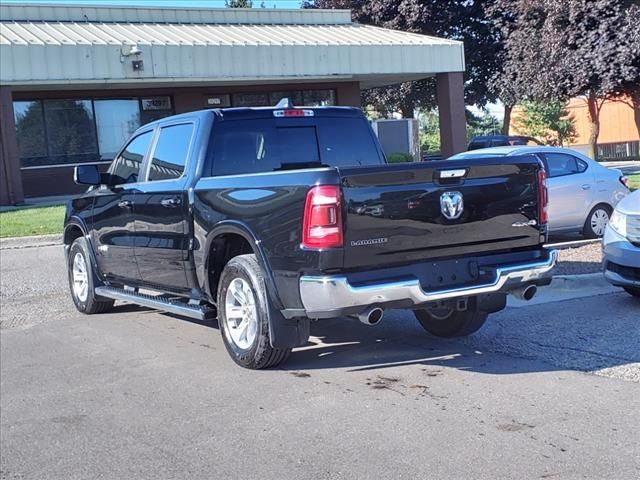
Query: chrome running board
[157,302]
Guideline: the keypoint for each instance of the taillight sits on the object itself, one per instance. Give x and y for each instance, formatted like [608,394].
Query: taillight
[543,197]
[624,181]
[322,221]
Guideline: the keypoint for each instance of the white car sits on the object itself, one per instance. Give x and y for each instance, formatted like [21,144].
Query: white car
[582,193]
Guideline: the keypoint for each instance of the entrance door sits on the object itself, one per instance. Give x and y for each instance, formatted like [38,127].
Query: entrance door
[113,225]
[162,211]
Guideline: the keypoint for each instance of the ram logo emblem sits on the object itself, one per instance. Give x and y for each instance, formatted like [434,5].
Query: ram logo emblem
[451,205]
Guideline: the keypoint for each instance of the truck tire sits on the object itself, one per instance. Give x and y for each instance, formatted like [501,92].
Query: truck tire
[82,280]
[448,322]
[243,315]
[596,221]
[635,291]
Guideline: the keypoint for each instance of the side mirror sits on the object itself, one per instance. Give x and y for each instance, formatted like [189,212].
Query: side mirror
[86,175]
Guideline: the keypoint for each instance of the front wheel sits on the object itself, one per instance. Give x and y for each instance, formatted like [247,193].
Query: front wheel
[82,280]
[444,320]
[596,222]
[243,315]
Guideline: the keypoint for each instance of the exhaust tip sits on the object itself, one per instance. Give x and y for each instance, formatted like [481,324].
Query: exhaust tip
[525,293]
[371,316]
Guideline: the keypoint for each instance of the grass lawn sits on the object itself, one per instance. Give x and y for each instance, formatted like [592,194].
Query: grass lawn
[634,181]
[31,221]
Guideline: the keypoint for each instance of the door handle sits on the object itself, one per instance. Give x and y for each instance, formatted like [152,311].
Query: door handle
[170,202]
[586,186]
[125,203]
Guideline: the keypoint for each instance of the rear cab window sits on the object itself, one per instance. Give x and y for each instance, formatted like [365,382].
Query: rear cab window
[275,144]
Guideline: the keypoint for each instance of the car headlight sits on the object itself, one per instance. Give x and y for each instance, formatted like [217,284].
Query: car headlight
[618,223]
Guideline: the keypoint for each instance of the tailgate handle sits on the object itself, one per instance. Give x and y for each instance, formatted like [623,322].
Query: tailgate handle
[456,173]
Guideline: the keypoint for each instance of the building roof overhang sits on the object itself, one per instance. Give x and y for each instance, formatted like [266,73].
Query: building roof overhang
[80,46]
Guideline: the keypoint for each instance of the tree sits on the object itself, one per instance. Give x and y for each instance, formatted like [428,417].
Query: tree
[547,121]
[456,19]
[485,124]
[559,49]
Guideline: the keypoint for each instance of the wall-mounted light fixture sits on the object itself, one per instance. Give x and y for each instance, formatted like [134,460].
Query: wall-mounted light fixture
[133,51]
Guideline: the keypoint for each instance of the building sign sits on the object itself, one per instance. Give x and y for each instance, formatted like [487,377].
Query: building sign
[156,103]
[219,100]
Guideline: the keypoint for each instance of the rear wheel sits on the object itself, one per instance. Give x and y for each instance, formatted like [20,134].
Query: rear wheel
[597,221]
[444,320]
[243,315]
[635,291]
[82,280]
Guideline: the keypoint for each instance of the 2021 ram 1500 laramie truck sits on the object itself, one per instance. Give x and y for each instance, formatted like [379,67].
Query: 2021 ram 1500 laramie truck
[271,217]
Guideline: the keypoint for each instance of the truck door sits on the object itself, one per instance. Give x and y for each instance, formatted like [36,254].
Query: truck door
[162,210]
[113,225]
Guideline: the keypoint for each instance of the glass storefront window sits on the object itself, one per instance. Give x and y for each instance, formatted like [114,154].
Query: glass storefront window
[319,98]
[29,121]
[71,134]
[295,97]
[250,100]
[116,120]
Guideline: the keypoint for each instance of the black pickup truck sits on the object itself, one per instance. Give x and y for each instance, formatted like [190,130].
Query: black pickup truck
[271,217]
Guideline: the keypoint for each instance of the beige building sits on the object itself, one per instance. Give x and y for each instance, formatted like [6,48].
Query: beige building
[76,81]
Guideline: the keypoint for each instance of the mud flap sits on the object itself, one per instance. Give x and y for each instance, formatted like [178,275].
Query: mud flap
[287,333]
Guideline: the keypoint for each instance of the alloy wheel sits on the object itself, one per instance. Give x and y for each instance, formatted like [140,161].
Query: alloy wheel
[241,315]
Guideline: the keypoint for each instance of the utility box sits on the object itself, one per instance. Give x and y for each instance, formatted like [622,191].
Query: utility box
[399,136]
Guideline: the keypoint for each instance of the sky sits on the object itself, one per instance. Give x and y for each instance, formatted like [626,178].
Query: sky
[164,3]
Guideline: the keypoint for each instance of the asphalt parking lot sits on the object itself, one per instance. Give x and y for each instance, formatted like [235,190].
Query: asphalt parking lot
[543,391]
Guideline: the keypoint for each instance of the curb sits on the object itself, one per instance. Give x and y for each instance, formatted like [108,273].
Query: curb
[30,242]
[568,287]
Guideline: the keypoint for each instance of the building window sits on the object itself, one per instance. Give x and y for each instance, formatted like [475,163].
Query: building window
[32,144]
[116,120]
[250,100]
[311,98]
[319,98]
[295,97]
[71,131]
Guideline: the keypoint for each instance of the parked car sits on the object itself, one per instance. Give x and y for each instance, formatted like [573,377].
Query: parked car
[271,217]
[582,192]
[488,141]
[622,245]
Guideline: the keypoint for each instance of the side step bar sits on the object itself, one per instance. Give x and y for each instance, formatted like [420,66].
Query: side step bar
[197,312]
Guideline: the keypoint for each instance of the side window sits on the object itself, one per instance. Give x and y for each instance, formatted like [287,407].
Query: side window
[582,166]
[127,165]
[170,155]
[560,164]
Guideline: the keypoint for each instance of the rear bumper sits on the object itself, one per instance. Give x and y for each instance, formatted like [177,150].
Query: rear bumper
[334,296]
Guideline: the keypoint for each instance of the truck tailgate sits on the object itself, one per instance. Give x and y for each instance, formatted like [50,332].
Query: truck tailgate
[402,213]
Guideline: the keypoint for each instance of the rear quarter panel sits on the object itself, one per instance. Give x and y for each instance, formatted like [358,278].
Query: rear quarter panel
[267,209]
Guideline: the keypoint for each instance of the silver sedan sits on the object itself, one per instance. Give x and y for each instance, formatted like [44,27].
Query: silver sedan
[582,193]
[621,245]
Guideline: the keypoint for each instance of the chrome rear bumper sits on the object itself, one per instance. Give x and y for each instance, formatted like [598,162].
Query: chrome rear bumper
[332,296]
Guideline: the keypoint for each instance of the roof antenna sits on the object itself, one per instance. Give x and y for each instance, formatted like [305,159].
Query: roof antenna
[284,103]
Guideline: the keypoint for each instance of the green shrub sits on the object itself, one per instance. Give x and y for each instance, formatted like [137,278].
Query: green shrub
[399,158]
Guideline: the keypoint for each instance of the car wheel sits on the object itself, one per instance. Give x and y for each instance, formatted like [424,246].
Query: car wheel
[597,221]
[444,320]
[635,291]
[243,315]
[82,280]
